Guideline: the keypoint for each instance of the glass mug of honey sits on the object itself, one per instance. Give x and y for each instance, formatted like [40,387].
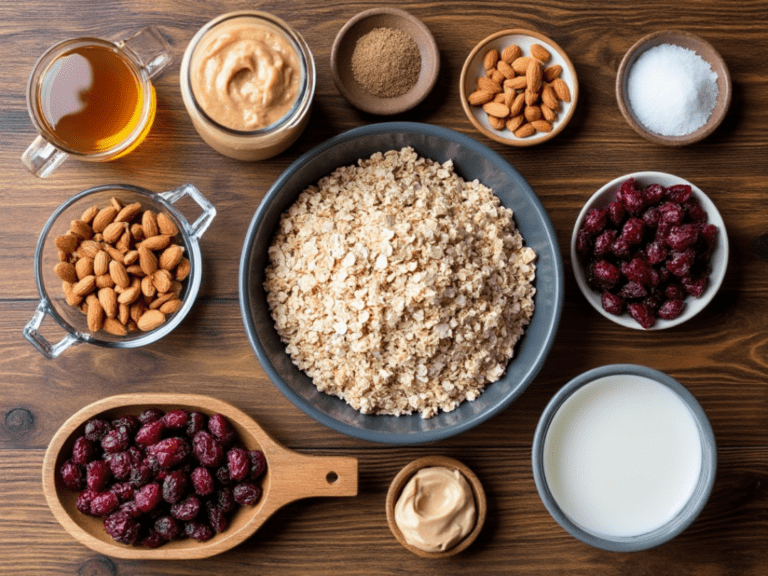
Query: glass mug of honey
[93,99]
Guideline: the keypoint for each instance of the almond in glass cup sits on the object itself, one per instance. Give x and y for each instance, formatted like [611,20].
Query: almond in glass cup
[93,99]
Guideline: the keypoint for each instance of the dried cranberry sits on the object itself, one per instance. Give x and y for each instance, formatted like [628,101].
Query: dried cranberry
[197,423]
[152,540]
[694,287]
[131,509]
[199,531]
[671,309]
[246,493]
[141,475]
[642,314]
[223,477]
[151,415]
[202,481]
[583,243]
[174,486]
[708,233]
[136,455]
[655,252]
[679,193]
[611,303]
[148,497]
[170,452]
[651,217]
[239,463]
[603,243]
[128,424]
[207,449]
[122,527]
[72,475]
[120,465]
[616,212]
[637,269]
[633,289]
[104,503]
[225,499]
[258,463]
[694,210]
[176,419]
[683,236]
[124,491]
[633,201]
[150,433]
[84,500]
[187,509]
[653,194]
[116,440]
[83,451]
[679,263]
[620,247]
[96,429]
[595,221]
[672,213]
[221,429]
[167,527]
[674,291]
[217,518]
[633,231]
[98,474]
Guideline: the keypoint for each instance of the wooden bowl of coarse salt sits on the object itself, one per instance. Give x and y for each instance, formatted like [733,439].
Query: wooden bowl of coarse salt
[673,88]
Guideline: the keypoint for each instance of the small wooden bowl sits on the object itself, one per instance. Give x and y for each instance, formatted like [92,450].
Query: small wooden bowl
[474,68]
[399,482]
[707,52]
[344,46]
[290,476]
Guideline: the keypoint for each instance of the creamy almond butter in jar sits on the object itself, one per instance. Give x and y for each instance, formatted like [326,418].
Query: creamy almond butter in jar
[247,81]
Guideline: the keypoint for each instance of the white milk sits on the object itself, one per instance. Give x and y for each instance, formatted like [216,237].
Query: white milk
[622,456]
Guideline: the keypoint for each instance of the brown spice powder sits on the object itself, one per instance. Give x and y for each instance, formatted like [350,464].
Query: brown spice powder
[386,62]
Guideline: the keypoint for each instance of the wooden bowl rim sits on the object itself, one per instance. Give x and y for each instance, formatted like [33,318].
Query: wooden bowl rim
[405,474]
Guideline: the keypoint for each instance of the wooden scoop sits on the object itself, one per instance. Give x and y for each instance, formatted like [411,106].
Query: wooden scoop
[290,476]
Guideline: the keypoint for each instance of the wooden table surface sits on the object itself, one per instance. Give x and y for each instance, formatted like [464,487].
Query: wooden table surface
[721,356]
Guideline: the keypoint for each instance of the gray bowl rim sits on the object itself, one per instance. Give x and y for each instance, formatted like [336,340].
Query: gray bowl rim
[689,512]
[194,254]
[424,436]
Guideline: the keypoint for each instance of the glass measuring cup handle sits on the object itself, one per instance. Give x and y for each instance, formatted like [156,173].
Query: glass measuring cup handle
[150,49]
[199,226]
[32,333]
[42,157]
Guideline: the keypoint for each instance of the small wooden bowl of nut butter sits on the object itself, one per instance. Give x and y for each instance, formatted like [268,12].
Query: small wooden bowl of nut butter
[436,507]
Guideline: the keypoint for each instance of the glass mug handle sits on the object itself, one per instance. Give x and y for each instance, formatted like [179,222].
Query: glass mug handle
[151,52]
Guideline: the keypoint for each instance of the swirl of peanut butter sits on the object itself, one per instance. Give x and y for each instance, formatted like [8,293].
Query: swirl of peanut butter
[244,75]
[436,509]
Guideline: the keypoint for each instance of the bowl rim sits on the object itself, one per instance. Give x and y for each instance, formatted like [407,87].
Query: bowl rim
[191,244]
[695,504]
[649,41]
[388,106]
[496,136]
[693,305]
[423,436]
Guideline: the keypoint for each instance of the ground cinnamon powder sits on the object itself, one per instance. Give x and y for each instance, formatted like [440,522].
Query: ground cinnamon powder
[386,62]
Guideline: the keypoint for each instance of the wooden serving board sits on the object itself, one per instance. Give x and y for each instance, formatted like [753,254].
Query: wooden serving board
[290,476]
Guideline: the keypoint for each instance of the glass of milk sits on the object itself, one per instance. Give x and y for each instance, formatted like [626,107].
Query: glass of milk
[624,457]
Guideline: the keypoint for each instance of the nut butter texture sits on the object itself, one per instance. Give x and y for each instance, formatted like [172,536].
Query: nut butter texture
[244,75]
[436,509]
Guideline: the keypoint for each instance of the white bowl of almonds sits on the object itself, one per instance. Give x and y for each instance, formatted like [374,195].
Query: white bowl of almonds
[518,87]
[117,266]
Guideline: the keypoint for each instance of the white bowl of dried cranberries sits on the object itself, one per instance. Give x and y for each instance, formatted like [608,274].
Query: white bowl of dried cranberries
[649,250]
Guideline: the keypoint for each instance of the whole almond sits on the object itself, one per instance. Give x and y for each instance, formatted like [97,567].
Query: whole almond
[119,274]
[137,232]
[113,232]
[497,76]
[531,97]
[534,75]
[505,69]
[517,105]
[525,131]
[183,269]
[84,267]
[532,113]
[500,98]
[135,270]
[128,212]
[520,65]
[104,281]
[548,114]
[66,272]
[509,97]
[496,109]
[123,313]
[484,83]
[130,257]
[88,248]
[89,214]
[511,53]
[516,83]
[148,260]
[108,301]
[137,310]
[67,243]
[477,98]
[542,126]
[491,59]
[147,287]
[114,253]
[549,97]
[116,203]
[161,299]
[552,72]
[149,224]
[150,320]
[95,313]
[171,306]
[85,286]
[561,89]
[104,218]
[131,294]
[156,242]
[540,53]
[177,287]
[114,327]
[81,228]
[496,123]
[161,279]
[63,256]
[69,294]
[170,257]
[124,243]
[101,263]
[515,122]
[166,225]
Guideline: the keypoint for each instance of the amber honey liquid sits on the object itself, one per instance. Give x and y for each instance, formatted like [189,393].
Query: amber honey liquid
[91,100]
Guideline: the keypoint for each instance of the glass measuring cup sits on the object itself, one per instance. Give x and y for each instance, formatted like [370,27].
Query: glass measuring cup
[93,99]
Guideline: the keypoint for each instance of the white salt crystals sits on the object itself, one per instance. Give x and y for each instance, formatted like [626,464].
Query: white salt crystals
[672,90]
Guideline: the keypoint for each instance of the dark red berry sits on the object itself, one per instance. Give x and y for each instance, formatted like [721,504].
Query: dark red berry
[683,236]
[174,486]
[217,518]
[148,497]
[633,201]
[694,210]
[620,247]
[637,269]
[225,499]
[96,429]
[651,217]
[150,433]
[120,465]
[603,243]
[83,451]
[176,419]
[104,503]
[84,500]
[679,193]
[152,540]
[653,194]
[202,481]
[694,287]
[671,213]
[239,464]
[98,474]
[187,509]
[223,477]
[131,509]
[151,415]
[221,429]
[141,475]
[258,463]
[655,252]
[671,309]
[136,455]
[642,314]
[612,303]
[246,493]
[124,491]
[605,275]
[116,440]
[679,263]
[128,424]
[207,449]
[583,243]
[167,527]
[170,452]
[72,475]
[595,221]
[197,423]
[616,212]
[122,527]
[633,231]
[633,289]
[199,531]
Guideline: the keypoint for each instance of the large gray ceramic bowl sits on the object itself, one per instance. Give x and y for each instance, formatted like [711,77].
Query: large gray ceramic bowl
[472,160]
